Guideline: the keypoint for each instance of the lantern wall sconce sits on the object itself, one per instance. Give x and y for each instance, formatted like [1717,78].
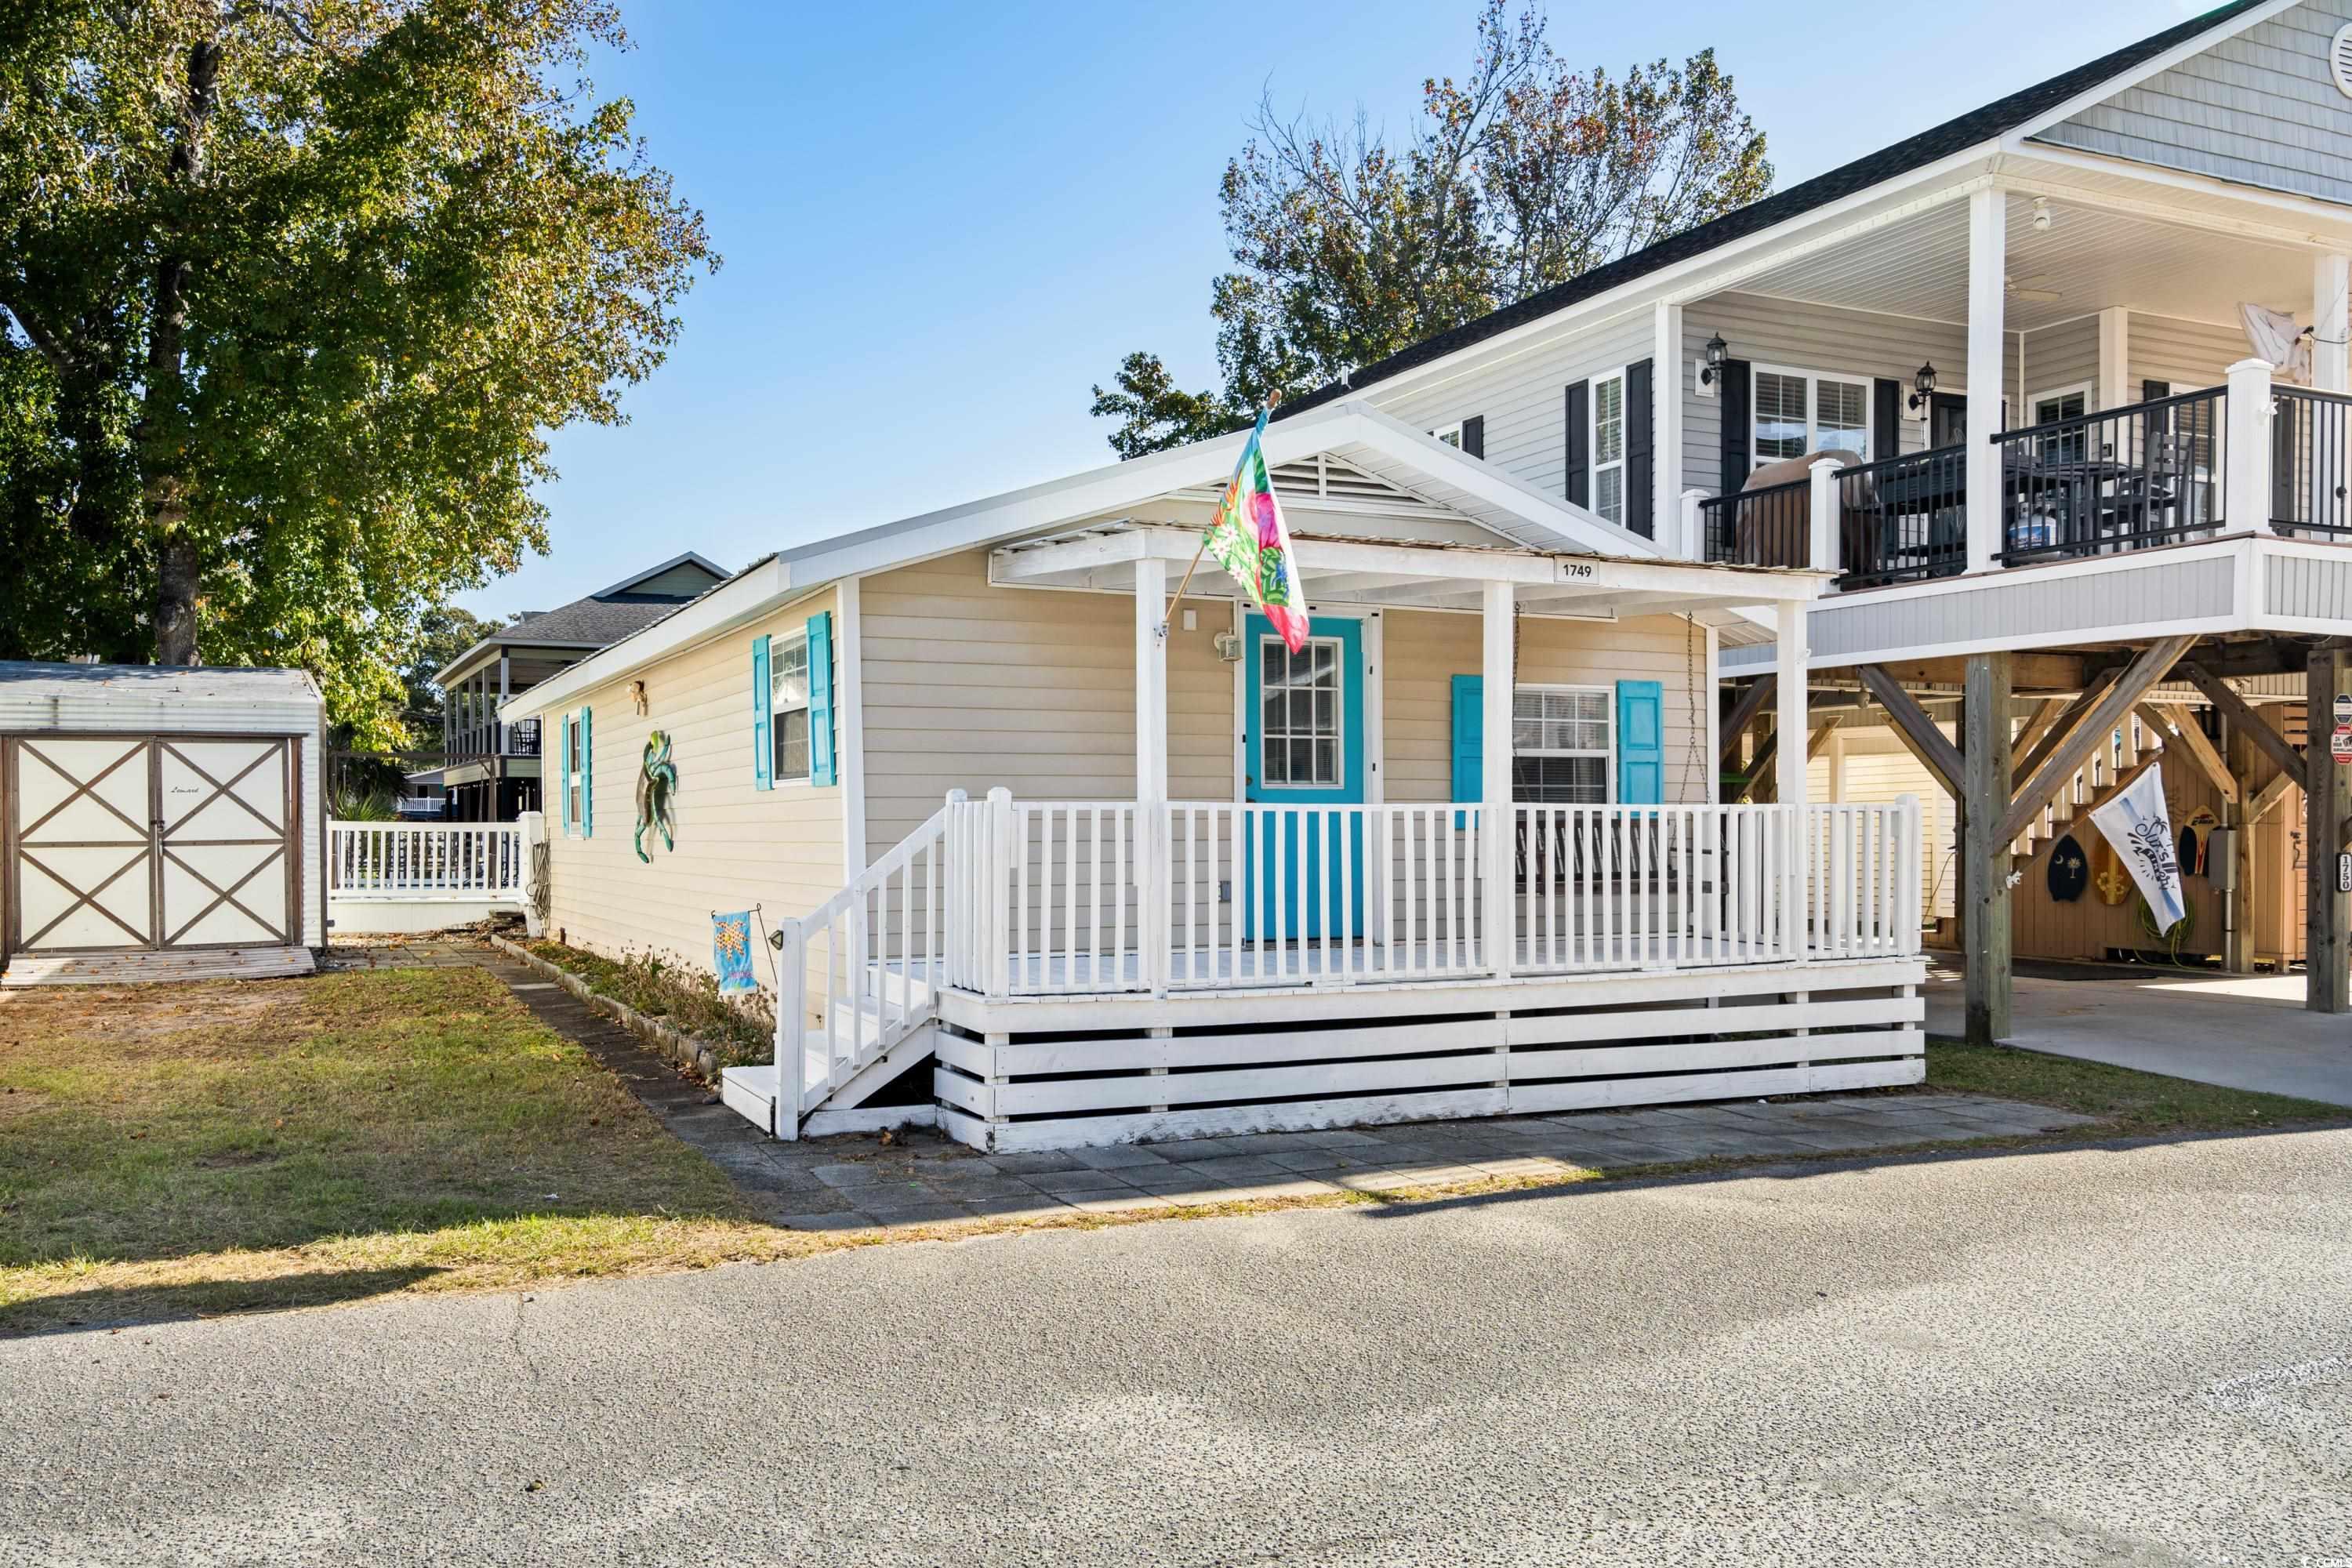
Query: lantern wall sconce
[1710,370]
[1923,386]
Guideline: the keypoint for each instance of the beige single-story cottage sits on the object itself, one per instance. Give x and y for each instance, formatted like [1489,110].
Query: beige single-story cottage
[1053,857]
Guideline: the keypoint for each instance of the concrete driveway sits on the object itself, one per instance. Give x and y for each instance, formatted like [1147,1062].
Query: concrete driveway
[2240,1031]
[2101,1355]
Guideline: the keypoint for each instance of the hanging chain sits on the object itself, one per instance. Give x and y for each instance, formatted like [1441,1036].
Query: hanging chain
[1693,765]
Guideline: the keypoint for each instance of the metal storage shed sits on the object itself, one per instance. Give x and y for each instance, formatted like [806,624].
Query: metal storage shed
[159,823]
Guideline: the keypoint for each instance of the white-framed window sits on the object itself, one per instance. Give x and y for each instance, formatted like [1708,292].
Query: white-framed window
[1450,434]
[1301,744]
[1795,413]
[1563,744]
[1608,446]
[787,707]
[2053,406]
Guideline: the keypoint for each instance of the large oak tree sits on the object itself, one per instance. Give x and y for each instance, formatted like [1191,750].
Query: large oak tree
[1525,174]
[291,292]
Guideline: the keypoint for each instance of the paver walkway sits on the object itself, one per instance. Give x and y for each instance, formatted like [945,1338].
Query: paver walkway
[923,1178]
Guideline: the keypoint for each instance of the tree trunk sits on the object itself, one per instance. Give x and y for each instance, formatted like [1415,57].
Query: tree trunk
[163,434]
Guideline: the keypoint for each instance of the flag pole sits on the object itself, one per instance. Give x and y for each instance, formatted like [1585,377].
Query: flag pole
[1272,399]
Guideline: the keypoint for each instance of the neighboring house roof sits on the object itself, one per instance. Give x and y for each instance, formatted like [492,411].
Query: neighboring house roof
[716,573]
[602,619]
[1957,135]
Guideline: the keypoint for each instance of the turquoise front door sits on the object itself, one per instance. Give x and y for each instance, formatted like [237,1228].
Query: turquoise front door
[1303,738]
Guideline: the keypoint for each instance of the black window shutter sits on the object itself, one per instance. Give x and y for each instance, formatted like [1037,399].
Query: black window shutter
[1579,443]
[1640,449]
[1474,434]
[1886,419]
[1731,384]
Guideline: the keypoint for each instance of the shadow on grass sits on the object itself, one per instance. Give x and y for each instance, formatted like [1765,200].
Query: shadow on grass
[1781,1168]
[113,1307]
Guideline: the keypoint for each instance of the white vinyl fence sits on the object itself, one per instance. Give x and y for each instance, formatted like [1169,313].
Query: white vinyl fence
[406,876]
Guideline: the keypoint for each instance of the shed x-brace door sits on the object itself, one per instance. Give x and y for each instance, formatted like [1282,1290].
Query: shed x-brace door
[128,842]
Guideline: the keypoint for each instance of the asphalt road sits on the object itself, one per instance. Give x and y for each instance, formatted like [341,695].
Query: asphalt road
[2096,1356]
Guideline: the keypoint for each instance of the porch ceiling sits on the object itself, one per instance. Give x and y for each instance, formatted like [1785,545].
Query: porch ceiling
[1406,575]
[2090,257]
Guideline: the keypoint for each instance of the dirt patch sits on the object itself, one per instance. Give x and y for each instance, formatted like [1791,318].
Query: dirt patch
[141,1012]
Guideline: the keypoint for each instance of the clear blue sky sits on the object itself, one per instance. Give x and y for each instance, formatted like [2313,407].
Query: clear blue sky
[943,223]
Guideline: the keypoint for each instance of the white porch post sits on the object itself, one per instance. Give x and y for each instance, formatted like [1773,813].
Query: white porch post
[2331,369]
[2114,358]
[1987,296]
[2246,448]
[1666,430]
[1151,879]
[1788,771]
[1823,550]
[1498,827]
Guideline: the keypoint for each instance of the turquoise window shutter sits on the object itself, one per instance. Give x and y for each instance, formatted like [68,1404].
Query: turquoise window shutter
[1641,742]
[820,654]
[1469,738]
[562,770]
[587,772]
[763,751]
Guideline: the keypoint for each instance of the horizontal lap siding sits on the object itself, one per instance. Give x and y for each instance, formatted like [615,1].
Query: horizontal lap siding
[1425,650]
[970,686]
[2191,356]
[1522,397]
[737,845]
[1823,339]
[2257,108]
[2062,356]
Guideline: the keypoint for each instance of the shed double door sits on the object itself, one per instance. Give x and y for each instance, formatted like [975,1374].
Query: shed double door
[119,843]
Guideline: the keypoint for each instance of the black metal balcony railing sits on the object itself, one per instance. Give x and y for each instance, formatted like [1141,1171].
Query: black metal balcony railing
[2125,479]
[1902,520]
[520,739]
[1768,527]
[2308,476]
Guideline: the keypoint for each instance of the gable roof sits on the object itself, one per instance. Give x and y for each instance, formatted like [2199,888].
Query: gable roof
[1519,515]
[1368,440]
[600,620]
[710,568]
[1957,135]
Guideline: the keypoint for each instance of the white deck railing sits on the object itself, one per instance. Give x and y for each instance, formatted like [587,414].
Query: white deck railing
[403,862]
[1005,898]
[1049,898]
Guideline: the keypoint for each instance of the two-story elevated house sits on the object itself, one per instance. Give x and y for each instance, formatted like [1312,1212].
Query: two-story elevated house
[491,769]
[2077,519]
[1054,851]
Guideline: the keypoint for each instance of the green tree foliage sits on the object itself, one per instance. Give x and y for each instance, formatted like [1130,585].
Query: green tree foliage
[442,633]
[291,292]
[1525,174]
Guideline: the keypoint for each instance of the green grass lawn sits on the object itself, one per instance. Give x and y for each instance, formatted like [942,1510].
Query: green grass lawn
[170,1147]
[2129,1101]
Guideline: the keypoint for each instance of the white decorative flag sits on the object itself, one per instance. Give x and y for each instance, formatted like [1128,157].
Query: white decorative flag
[2139,825]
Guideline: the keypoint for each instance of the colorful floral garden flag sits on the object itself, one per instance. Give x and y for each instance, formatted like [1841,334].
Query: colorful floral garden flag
[730,948]
[1250,540]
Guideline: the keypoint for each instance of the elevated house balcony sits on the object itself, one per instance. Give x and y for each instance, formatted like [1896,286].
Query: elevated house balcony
[2028,414]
